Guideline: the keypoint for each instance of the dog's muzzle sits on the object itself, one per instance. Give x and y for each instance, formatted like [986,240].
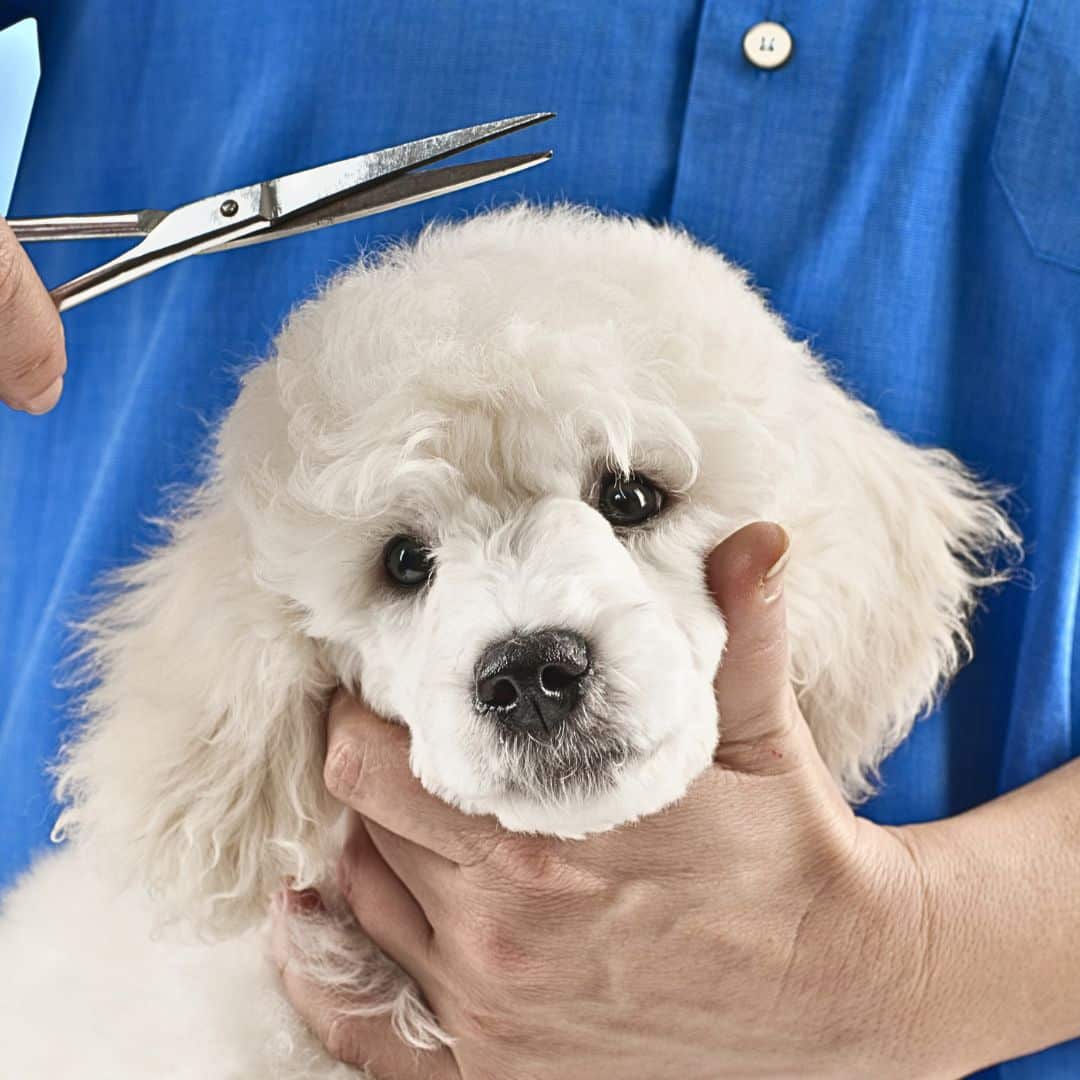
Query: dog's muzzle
[531,683]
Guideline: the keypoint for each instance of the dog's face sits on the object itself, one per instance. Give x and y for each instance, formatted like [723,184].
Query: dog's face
[476,483]
[531,608]
[504,547]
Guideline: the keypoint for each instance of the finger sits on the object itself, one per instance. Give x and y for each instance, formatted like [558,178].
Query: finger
[367,768]
[755,702]
[32,357]
[383,906]
[355,1040]
[429,877]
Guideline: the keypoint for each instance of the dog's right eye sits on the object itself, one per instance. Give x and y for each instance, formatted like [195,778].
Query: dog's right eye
[407,562]
[629,500]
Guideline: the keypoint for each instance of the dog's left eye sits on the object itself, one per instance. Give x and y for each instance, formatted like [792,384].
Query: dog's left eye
[629,500]
[407,561]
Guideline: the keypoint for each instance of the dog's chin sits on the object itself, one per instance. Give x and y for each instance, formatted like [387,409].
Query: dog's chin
[610,790]
[583,758]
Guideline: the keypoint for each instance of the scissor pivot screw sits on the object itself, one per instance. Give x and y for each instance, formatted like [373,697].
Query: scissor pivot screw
[229,207]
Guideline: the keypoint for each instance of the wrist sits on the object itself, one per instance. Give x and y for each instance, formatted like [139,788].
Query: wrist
[857,980]
[896,1021]
[973,1007]
[1000,949]
[927,1039]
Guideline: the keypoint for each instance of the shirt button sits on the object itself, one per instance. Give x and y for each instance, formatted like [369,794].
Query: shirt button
[767,45]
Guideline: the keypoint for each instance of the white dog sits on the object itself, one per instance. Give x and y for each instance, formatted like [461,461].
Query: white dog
[477,480]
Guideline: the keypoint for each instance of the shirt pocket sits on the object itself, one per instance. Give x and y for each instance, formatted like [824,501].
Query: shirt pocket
[1036,149]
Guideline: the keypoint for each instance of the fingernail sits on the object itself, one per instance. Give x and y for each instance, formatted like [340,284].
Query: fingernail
[772,584]
[304,902]
[47,399]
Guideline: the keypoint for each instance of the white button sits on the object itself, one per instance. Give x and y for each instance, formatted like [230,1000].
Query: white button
[767,45]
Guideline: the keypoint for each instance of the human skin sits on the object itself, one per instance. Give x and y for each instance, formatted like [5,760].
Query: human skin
[32,357]
[759,927]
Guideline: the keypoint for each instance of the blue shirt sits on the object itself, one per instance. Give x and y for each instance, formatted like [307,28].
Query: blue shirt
[906,188]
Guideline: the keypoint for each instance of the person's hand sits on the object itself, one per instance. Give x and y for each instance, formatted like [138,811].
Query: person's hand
[755,928]
[32,357]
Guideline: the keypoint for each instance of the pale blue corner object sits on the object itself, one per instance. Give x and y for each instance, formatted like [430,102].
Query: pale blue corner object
[20,70]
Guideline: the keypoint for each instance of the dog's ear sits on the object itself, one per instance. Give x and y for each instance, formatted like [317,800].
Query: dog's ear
[200,762]
[891,544]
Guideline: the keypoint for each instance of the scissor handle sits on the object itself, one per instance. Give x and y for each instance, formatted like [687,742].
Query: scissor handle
[85,226]
[187,230]
[141,260]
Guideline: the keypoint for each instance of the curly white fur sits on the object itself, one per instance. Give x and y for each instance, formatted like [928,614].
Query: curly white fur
[469,390]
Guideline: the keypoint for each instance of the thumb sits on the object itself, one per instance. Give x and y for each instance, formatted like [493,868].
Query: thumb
[32,358]
[745,575]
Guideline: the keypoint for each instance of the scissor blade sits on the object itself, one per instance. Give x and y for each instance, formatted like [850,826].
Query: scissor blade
[306,189]
[401,191]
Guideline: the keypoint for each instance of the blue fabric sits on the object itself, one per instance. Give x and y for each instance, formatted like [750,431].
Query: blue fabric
[905,188]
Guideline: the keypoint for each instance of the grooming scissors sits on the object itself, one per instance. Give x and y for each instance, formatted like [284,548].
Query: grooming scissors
[325,195]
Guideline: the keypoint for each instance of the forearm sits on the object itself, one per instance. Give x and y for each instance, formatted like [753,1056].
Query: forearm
[1000,926]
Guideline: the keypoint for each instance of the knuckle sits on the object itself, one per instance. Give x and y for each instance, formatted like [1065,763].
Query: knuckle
[53,346]
[480,1020]
[498,950]
[342,1040]
[344,770]
[762,744]
[531,863]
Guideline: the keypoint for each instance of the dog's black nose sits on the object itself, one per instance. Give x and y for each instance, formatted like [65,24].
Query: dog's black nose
[532,682]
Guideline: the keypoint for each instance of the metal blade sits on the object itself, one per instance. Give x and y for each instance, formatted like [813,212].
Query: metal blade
[304,190]
[377,198]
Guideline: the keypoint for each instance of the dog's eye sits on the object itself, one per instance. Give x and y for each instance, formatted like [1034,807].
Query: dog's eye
[629,500]
[407,561]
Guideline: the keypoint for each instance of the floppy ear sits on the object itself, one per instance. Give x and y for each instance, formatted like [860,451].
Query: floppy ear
[200,764]
[891,544]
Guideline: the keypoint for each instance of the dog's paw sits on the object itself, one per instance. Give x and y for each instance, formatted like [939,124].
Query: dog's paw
[333,952]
